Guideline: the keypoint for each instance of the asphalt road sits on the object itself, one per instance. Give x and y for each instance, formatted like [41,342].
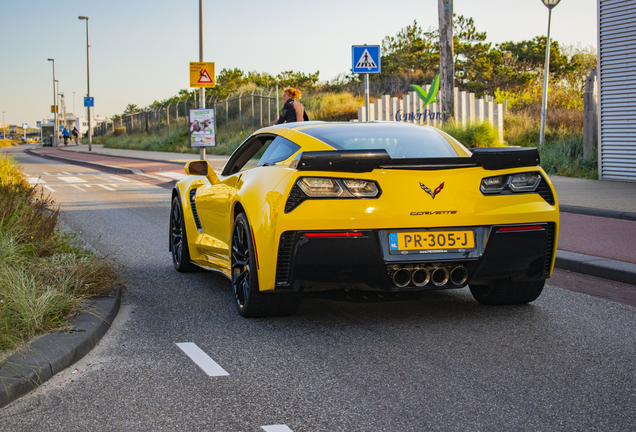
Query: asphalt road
[345,362]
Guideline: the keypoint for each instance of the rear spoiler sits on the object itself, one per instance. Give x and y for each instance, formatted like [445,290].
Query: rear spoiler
[359,161]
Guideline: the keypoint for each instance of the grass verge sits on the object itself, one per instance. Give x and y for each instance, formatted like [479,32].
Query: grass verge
[44,276]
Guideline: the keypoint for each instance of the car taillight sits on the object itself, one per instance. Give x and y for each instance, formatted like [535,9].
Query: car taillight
[320,187]
[330,188]
[361,188]
[521,182]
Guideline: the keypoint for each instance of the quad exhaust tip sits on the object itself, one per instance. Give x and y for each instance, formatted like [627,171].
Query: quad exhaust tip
[440,276]
[458,275]
[422,276]
[402,277]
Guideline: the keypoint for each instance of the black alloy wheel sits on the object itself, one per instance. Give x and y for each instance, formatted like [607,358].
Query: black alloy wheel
[250,301]
[179,240]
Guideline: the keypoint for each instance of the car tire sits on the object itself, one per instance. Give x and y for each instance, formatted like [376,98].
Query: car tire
[507,292]
[250,301]
[179,240]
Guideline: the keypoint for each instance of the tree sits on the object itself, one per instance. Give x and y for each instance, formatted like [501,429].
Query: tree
[131,109]
[297,79]
[410,50]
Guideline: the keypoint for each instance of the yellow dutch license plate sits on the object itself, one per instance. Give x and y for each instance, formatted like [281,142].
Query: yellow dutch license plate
[432,240]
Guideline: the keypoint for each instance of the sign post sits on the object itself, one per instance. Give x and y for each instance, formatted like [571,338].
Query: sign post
[365,59]
[24,128]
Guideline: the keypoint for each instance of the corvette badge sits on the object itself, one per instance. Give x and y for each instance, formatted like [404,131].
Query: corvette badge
[432,193]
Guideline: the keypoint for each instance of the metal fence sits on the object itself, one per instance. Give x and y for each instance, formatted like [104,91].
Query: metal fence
[257,109]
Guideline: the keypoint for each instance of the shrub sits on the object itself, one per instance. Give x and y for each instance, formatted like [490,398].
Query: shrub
[44,276]
[473,134]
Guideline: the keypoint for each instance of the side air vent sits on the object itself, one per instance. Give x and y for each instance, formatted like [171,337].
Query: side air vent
[197,221]
[544,190]
[285,251]
[296,196]
[550,248]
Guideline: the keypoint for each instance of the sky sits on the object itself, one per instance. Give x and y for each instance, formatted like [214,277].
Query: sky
[141,49]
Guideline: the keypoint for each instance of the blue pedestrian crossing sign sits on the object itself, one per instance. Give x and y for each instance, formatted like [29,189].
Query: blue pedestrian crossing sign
[89,102]
[365,59]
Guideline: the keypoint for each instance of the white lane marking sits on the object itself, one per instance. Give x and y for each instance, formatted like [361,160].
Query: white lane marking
[45,173]
[202,360]
[35,180]
[276,428]
[172,175]
[49,188]
[87,185]
[77,187]
[66,173]
[105,187]
[72,179]
[113,185]
[120,179]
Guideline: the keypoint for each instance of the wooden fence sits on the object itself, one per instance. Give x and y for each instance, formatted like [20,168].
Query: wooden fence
[410,108]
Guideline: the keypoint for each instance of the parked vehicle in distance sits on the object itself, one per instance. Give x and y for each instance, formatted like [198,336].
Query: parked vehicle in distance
[372,206]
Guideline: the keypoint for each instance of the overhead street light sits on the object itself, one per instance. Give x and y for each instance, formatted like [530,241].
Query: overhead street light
[88,83]
[544,104]
[54,143]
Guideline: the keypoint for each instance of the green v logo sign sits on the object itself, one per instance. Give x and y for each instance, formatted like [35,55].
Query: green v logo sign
[431,96]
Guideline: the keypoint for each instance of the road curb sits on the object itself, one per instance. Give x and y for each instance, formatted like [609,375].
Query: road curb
[98,166]
[604,268]
[613,214]
[194,156]
[51,353]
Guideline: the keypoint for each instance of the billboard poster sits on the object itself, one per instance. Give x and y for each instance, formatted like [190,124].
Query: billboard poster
[202,128]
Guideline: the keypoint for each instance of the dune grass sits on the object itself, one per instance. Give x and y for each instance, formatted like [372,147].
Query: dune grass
[44,275]
[474,134]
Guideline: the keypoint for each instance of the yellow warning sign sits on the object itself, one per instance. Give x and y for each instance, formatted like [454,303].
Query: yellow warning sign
[201,74]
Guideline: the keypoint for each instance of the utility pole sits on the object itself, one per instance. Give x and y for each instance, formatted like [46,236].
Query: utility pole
[201,89]
[88,86]
[54,137]
[446,65]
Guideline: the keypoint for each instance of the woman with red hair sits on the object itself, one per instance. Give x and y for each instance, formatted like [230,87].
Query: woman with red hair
[293,111]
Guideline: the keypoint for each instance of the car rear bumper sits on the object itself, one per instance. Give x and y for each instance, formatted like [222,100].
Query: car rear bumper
[363,259]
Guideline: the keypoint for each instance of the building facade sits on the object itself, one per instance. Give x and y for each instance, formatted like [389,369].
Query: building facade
[617,89]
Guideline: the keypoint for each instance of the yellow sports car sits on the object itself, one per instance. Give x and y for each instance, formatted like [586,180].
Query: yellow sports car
[372,206]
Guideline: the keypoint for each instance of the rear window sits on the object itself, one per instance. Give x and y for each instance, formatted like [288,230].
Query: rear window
[399,141]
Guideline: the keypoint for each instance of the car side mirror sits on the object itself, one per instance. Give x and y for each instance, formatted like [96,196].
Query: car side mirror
[202,168]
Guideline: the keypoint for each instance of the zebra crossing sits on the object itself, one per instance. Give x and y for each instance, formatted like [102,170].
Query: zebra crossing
[84,182]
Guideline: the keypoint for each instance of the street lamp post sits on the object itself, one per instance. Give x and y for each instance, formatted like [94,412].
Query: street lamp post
[88,84]
[54,143]
[3,132]
[544,104]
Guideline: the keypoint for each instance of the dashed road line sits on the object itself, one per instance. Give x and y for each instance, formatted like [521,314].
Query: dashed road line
[66,173]
[276,428]
[72,179]
[105,187]
[87,185]
[120,179]
[202,360]
[172,175]
[113,184]
[77,187]
[49,188]
[35,180]
[45,173]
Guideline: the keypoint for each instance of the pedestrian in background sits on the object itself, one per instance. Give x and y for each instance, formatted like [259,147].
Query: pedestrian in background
[293,111]
[65,135]
[75,133]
